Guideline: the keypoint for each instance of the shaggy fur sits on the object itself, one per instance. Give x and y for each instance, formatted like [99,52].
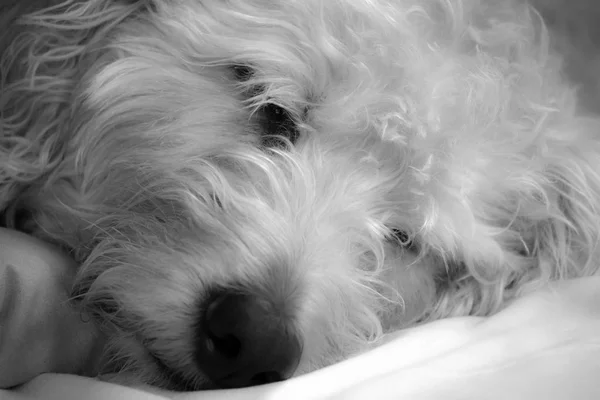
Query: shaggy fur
[435,162]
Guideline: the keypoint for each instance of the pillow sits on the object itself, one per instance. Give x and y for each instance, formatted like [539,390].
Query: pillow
[39,332]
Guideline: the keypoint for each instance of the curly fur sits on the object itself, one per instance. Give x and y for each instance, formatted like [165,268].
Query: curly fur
[128,136]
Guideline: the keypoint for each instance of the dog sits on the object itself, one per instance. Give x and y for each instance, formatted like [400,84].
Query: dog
[257,189]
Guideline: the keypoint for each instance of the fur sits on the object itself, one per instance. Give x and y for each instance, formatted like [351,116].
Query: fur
[444,163]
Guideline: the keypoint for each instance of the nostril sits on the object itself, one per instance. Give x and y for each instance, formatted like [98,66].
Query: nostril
[228,346]
[218,330]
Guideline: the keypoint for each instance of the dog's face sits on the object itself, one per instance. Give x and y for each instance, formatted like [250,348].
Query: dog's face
[222,256]
[262,266]
[259,189]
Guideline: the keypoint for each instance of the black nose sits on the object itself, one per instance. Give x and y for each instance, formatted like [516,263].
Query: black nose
[244,340]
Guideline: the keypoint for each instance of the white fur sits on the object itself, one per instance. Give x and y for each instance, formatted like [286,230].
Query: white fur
[125,132]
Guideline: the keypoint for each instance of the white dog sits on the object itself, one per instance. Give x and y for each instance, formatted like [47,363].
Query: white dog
[255,189]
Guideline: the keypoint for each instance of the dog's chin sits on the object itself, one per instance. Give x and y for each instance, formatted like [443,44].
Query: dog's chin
[175,380]
[126,361]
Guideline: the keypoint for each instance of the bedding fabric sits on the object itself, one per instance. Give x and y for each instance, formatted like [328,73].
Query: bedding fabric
[545,346]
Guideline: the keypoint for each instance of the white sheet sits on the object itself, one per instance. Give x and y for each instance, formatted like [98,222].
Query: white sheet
[545,346]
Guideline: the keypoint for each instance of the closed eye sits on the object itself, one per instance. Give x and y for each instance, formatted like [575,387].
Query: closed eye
[242,73]
[404,240]
[276,124]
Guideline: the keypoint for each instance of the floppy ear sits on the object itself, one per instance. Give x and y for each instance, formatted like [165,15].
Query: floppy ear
[41,49]
[568,243]
[560,224]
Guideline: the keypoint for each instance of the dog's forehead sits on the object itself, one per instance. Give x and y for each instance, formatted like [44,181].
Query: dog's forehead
[327,165]
[293,35]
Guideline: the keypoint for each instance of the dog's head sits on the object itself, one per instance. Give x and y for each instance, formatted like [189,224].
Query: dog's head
[252,266]
[259,188]
[231,203]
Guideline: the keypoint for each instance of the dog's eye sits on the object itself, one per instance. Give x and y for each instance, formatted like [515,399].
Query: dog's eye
[242,73]
[277,123]
[217,202]
[214,199]
[403,239]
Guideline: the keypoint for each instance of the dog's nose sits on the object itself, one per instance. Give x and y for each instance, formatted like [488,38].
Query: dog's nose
[245,341]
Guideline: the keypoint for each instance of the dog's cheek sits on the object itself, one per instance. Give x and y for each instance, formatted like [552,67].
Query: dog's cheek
[99,303]
[409,283]
[101,288]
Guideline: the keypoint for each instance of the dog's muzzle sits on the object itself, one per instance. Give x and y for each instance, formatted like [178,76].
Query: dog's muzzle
[245,340]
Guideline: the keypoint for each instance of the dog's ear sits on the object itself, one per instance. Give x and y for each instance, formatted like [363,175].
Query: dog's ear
[41,50]
[568,241]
